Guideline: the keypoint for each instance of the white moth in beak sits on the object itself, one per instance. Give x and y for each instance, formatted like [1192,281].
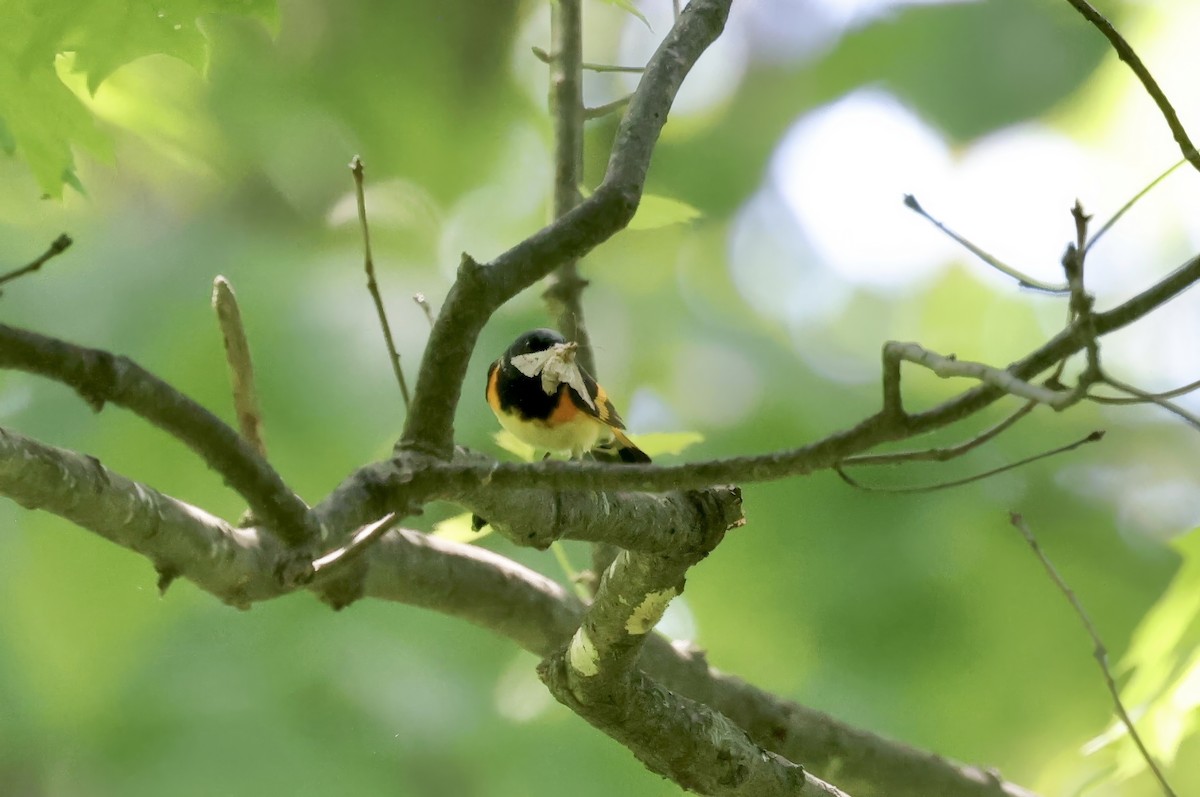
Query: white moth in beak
[555,365]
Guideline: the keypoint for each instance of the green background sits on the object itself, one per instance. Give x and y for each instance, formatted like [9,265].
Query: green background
[922,617]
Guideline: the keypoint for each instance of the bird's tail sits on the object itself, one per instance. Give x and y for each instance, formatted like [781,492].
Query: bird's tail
[627,451]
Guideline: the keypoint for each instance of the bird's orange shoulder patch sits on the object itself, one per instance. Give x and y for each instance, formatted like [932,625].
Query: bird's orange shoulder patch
[493,393]
[565,409]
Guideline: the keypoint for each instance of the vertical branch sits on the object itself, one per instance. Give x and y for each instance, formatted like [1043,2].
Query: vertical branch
[241,367]
[356,168]
[564,296]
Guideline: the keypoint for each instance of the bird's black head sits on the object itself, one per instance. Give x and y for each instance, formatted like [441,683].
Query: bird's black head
[534,340]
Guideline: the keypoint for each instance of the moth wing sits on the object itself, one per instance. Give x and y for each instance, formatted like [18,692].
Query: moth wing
[531,364]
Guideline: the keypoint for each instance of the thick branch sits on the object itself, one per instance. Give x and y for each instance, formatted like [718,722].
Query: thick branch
[100,377]
[236,565]
[686,741]
[682,739]
[644,522]
[460,581]
[479,290]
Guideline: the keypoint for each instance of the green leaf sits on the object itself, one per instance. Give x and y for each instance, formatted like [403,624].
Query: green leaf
[660,211]
[458,529]
[1163,692]
[657,444]
[7,142]
[43,120]
[628,6]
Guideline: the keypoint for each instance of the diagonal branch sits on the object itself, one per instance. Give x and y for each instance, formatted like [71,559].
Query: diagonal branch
[480,290]
[1127,54]
[56,248]
[685,740]
[1099,651]
[950,452]
[465,582]
[412,472]
[100,377]
[1094,437]
[236,565]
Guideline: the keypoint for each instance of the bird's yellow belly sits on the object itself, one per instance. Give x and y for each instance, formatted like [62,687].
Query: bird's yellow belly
[577,435]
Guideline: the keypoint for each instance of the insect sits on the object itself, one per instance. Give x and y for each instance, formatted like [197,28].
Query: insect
[546,399]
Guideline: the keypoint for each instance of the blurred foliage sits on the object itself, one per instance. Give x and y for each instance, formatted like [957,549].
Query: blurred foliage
[45,39]
[921,617]
[1164,657]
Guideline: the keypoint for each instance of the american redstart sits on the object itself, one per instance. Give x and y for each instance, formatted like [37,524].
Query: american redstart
[546,399]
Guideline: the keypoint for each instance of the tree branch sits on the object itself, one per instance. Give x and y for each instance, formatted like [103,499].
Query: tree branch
[987,474]
[387,483]
[544,57]
[565,294]
[480,290]
[646,522]
[236,565]
[462,581]
[1099,651]
[100,377]
[682,739]
[356,170]
[56,248]
[948,453]
[1127,54]
[241,365]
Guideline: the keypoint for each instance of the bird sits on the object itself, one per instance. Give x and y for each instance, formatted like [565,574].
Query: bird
[546,399]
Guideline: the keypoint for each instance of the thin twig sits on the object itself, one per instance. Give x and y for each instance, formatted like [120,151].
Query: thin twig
[943,454]
[951,366]
[423,303]
[1127,55]
[56,248]
[1133,201]
[356,168]
[1082,303]
[1099,651]
[545,58]
[929,488]
[241,368]
[1141,397]
[1024,280]
[1152,398]
[609,107]
[360,541]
